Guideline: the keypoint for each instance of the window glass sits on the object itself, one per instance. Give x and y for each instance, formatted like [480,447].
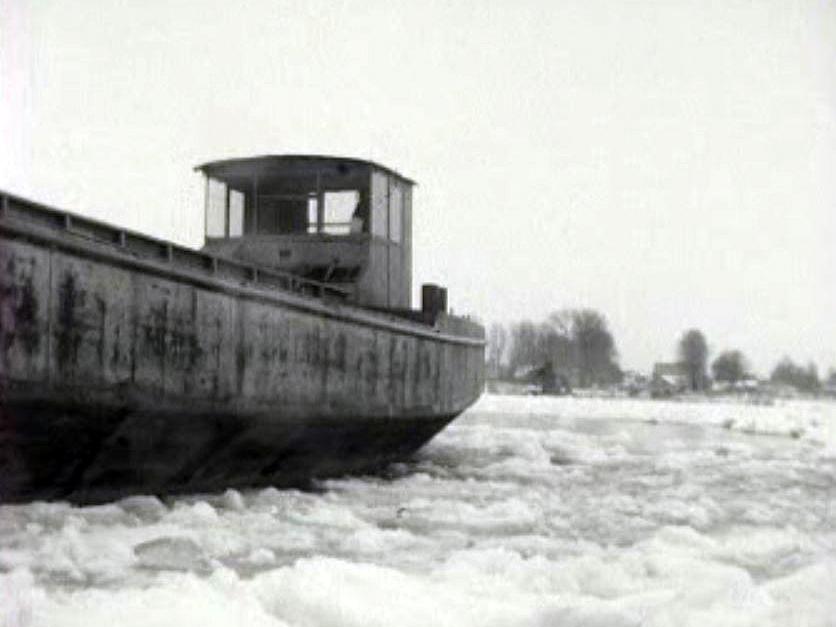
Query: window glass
[236,213]
[312,205]
[380,204]
[215,208]
[395,212]
[340,208]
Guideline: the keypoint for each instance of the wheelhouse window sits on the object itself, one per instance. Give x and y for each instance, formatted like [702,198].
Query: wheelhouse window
[298,200]
[388,200]
[380,204]
[395,212]
[341,215]
[225,210]
[236,213]
[215,208]
[313,209]
[331,212]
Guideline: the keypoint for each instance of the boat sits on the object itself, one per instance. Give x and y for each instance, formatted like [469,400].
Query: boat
[283,352]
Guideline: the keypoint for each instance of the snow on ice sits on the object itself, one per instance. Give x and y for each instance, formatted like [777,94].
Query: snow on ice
[526,511]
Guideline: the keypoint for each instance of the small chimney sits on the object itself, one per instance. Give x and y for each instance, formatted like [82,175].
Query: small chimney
[433,299]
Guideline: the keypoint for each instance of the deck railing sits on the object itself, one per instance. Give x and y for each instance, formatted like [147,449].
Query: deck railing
[143,246]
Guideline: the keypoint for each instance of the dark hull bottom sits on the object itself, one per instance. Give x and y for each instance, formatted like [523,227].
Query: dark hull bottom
[47,453]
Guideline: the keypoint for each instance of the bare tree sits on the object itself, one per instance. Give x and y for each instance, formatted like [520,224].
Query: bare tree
[693,353]
[525,350]
[575,343]
[556,341]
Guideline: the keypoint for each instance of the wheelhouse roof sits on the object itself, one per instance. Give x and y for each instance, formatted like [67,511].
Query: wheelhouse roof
[265,163]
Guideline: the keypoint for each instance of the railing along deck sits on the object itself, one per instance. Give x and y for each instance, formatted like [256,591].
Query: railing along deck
[146,247]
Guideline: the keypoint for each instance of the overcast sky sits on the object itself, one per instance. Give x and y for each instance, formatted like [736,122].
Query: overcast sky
[669,163]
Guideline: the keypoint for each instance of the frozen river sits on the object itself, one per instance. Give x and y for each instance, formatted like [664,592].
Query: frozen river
[526,511]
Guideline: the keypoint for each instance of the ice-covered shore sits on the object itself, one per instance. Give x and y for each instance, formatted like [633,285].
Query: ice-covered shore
[526,511]
[809,419]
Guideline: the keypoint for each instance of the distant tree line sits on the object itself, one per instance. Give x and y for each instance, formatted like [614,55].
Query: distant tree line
[803,379]
[731,366]
[576,343]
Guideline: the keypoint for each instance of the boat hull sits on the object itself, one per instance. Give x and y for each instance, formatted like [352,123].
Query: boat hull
[88,455]
[131,365]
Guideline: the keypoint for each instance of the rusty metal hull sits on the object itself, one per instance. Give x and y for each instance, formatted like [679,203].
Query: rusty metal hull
[130,365]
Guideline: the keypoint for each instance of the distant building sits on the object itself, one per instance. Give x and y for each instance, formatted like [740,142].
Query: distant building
[669,379]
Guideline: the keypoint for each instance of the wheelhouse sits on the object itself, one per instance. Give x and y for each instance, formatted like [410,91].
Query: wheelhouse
[335,220]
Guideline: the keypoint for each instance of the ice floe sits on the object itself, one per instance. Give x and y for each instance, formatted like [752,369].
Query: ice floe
[526,511]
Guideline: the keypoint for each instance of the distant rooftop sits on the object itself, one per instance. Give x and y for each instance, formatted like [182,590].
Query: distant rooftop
[676,369]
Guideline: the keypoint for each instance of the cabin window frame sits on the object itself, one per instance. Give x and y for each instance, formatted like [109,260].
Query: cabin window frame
[362,205]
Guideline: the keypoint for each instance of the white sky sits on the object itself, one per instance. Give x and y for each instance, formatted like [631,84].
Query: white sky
[670,163]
